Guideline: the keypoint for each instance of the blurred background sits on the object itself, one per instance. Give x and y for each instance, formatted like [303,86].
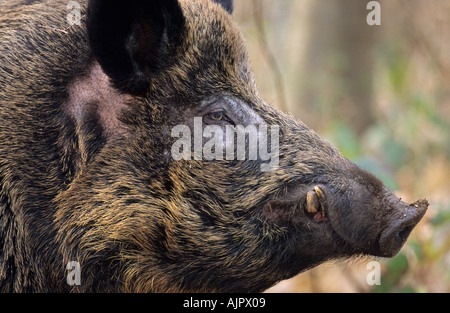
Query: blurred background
[381,94]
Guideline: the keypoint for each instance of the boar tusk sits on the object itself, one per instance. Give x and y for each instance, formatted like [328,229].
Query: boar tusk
[312,202]
[322,199]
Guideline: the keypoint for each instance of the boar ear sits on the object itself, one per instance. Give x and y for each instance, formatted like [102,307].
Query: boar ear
[226,4]
[133,39]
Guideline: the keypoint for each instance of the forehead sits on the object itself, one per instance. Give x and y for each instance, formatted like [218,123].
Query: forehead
[214,50]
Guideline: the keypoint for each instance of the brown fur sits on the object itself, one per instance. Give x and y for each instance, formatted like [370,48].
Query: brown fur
[86,173]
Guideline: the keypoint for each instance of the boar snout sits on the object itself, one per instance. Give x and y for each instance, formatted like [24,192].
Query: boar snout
[356,214]
[400,221]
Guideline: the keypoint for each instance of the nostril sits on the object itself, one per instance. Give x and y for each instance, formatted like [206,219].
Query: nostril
[403,234]
[396,234]
[399,225]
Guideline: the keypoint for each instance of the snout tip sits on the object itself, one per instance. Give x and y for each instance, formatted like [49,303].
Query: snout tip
[400,226]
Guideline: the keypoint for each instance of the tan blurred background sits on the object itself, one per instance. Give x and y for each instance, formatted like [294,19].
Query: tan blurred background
[381,94]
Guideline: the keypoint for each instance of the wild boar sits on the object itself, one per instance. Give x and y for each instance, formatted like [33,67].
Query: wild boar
[93,172]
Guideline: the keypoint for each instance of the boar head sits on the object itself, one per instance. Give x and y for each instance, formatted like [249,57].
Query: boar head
[139,219]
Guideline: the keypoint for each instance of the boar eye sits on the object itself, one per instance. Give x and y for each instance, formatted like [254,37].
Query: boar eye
[217,117]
